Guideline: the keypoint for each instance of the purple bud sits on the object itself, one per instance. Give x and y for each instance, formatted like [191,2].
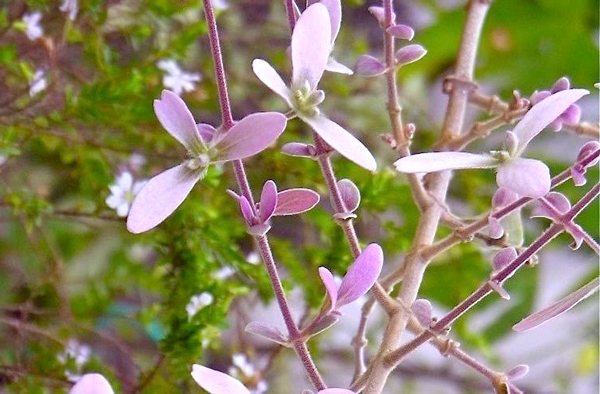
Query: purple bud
[295,201]
[423,311]
[410,54]
[402,32]
[502,197]
[511,142]
[266,331]
[577,233]
[369,66]
[361,275]
[495,229]
[536,97]
[247,211]
[268,201]
[379,14]
[578,175]
[517,372]
[299,149]
[587,149]
[350,194]
[503,258]
[562,84]
[572,115]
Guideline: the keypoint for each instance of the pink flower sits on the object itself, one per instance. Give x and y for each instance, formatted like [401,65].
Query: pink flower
[92,383]
[526,177]
[205,145]
[216,382]
[311,45]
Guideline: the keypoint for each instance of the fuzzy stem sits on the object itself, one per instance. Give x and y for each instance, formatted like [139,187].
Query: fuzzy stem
[246,191]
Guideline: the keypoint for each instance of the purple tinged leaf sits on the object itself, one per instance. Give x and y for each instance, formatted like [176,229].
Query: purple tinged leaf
[361,275]
[543,113]
[295,201]
[206,132]
[517,372]
[499,289]
[330,288]
[247,211]
[259,230]
[402,32]
[92,383]
[176,118]
[266,331]
[269,77]
[311,44]
[557,309]
[299,149]
[268,201]
[423,311]
[440,161]
[369,66]
[557,200]
[562,84]
[233,195]
[409,54]
[249,136]
[503,258]
[502,197]
[216,382]
[526,177]
[341,140]
[160,197]
[495,229]
[379,14]
[349,193]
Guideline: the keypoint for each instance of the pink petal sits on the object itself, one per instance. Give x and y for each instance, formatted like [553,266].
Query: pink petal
[410,54]
[572,115]
[423,311]
[268,201]
[440,161]
[160,197]
[330,287]
[269,77]
[334,8]
[350,194]
[526,177]
[92,383]
[250,136]
[402,32]
[266,331]
[336,67]
[361,275]
[295,201]
[342,141]
[495,229]
[369,66]
[503,258]
[246,210]
[176,118]
[558,308]
[543,113]
[216,382]
[206,132]
[335,391]
[562,84]
[311,46]
[502,197]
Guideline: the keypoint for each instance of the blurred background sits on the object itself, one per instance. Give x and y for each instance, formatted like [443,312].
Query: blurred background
[78,134]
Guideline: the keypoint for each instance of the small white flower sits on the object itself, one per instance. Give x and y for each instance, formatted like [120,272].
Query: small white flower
[260,388]
[71,7]
[78,352]
[123,192]
[175,78]
[241,362]
[32,25]
[136,161]
[38,83]
[220,4]
[198,302]
[224,272]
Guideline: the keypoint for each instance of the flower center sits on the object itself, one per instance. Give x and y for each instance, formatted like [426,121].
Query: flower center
[306,100]
[501,155]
